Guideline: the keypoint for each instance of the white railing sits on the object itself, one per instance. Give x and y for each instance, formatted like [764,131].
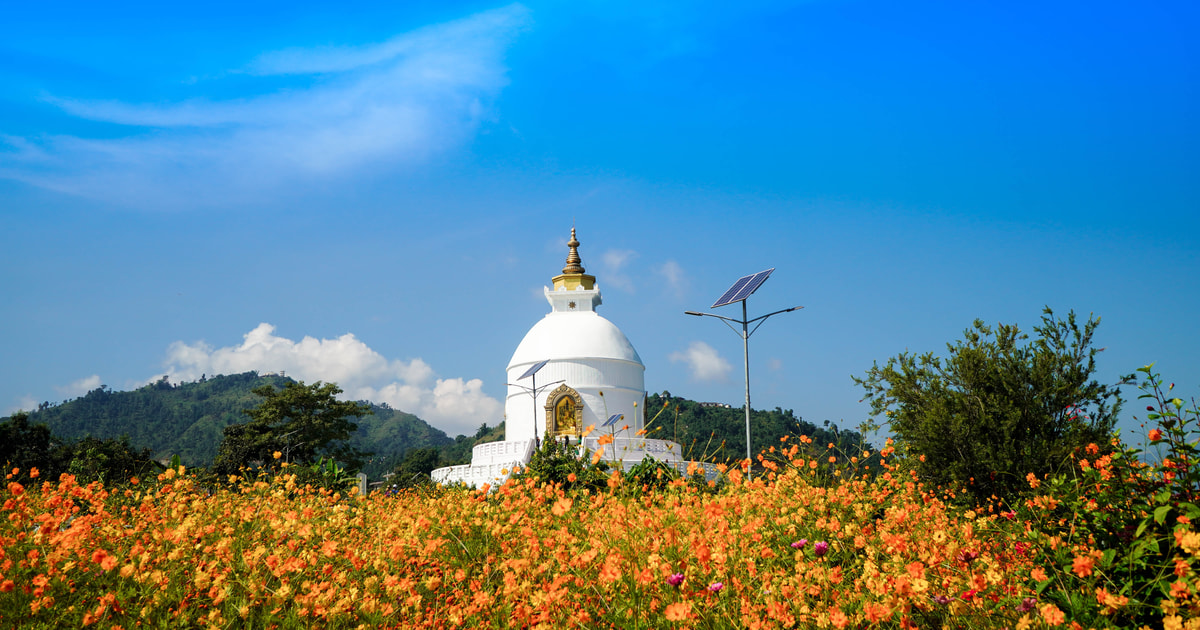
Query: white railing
[636,448]
[501,452]
[491,463]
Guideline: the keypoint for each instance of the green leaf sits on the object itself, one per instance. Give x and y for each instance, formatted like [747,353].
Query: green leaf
[1042,585]
[1142,527]
[1160,514]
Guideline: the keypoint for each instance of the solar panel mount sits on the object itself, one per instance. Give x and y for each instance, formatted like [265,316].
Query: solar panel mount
[613,419]
[533,369]
[743,288]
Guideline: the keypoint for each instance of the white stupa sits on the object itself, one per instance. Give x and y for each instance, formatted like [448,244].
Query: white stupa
[592,377]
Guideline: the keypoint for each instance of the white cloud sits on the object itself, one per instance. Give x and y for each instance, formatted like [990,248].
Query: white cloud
[389,104]
[455,405]
[614,260]
[774,364]
[24,403]
[703,361]
[676,279]
[79,387]
[332,59]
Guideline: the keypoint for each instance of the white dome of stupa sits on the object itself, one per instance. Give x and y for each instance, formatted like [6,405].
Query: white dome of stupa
[560,336]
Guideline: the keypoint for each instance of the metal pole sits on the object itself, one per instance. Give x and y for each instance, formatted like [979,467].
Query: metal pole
[745,334]
[746,357]
[536,438]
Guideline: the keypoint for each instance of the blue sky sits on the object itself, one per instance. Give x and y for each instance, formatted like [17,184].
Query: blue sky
[376,194]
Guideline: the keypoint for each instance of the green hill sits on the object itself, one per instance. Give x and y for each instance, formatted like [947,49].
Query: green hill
[717,433]
[187,419]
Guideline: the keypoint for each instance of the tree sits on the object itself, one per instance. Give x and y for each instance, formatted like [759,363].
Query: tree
[301,422]
[110,460]
[414,469]
[26,446]
[999,406]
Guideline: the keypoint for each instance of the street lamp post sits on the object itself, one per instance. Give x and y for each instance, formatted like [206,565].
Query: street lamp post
[742,290]
[533,391]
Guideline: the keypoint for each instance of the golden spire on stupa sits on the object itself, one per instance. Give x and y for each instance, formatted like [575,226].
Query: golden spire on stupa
[573,276]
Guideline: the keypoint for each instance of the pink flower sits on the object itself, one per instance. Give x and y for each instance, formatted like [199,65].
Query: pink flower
[799,544]
[716,587]
[675,579]
[820,548]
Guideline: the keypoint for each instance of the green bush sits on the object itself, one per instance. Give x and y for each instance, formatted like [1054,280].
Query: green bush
[1117,531]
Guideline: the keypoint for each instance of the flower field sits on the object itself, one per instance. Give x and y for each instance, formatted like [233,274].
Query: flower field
[818,541]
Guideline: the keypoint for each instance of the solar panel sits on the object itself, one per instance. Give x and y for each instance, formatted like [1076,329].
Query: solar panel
[613,419]
[743,288]
[533,369]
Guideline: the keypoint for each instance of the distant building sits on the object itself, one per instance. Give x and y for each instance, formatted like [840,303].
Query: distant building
[591,374]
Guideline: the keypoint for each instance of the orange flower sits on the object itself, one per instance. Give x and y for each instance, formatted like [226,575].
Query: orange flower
[839,619]
[1038,574]
[1034,482]
[614,480]
[1082,565]
[611,571]
[1052,615]
[561,506]
[876,612]
[1154,435]
[679,611]
[1110,601]
[106,562]
[1181,567]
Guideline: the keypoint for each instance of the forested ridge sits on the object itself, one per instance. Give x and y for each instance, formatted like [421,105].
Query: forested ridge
[187,419]
[715,432]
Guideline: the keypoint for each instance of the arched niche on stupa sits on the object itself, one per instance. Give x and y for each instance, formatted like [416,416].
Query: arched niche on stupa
[564,412]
